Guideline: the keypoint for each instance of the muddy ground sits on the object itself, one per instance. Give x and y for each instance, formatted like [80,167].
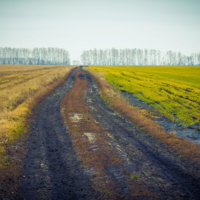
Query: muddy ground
[52,170]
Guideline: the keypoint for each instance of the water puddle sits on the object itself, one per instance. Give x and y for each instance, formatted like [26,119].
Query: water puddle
[90,137]
[75,117]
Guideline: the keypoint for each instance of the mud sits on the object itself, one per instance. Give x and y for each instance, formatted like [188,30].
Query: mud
[51,168]
[191,133]
[165,173]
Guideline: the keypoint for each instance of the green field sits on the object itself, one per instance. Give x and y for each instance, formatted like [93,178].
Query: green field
[173,90]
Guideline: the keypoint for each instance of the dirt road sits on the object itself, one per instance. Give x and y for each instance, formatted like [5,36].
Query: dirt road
[53,168]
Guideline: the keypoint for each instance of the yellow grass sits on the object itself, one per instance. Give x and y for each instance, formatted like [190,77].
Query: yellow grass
[173,90]
[19,84]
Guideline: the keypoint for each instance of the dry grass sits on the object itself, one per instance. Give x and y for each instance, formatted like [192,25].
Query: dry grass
[15,121]
[91,143]
[185,148]
[21,88]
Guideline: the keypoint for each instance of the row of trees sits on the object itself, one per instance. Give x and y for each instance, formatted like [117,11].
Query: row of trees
[137,57]
[35,56]
[56,56]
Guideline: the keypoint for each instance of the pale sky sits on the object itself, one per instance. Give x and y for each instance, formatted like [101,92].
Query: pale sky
[78,25]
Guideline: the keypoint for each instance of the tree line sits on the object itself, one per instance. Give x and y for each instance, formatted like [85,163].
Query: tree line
[35,56]
[137,57]
[57,56]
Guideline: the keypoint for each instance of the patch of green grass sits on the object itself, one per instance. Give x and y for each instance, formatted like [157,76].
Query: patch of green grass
[134,177]
[180,156]
[108,192]
[5,161]
[173,90]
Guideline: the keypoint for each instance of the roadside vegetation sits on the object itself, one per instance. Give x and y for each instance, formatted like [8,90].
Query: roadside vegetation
[173,90]
[112,96]
[22,88]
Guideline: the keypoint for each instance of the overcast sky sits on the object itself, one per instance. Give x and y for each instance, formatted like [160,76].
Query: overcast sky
[78,25]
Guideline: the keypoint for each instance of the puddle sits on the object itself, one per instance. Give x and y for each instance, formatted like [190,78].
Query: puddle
[15,146]
[75,117]
[89,100]
[94,148]
[110,136]
[91,172]
[92,108]
[90,137]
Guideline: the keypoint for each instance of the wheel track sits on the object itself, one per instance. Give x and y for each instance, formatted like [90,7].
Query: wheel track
[161,170]
[51,169]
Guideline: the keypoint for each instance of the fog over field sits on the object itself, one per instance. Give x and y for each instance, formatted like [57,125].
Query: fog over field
[82,25]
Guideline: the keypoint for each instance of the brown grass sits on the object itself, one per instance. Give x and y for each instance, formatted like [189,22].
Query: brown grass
[185,148]
[15,122]
[95,153]
[19,86]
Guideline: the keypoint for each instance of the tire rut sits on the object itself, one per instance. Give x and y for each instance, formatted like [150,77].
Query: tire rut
[51,169]
[162,171]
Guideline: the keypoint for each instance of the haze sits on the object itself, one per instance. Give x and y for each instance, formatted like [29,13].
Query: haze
[77,25]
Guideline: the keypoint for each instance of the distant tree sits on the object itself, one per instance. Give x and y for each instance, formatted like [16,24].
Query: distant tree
[198,57]
[180,59]
[146,57]
[159,57]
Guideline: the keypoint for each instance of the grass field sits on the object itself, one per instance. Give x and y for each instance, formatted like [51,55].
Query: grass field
[173,90]
[18,86]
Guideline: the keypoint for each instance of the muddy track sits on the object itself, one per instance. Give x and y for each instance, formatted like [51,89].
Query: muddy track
[51,169]
[165,173]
